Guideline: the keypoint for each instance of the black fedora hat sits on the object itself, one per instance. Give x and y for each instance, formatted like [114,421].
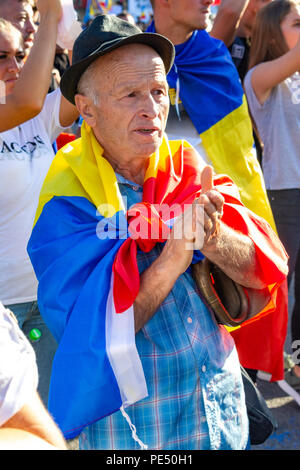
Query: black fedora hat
[106,33]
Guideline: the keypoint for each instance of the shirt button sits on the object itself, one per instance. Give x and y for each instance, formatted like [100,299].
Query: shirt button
[190,320]
[203,419]
[203,368]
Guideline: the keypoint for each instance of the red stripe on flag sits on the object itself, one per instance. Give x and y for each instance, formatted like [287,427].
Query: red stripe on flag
[260,340]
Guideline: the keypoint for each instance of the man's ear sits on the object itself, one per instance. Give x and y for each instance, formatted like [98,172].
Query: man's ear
[86,109]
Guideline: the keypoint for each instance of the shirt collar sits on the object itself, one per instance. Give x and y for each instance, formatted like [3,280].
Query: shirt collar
[122,180]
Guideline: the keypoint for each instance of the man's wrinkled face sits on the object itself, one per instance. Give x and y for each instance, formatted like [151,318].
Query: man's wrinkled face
[130,114]
[191,14]
[20,14]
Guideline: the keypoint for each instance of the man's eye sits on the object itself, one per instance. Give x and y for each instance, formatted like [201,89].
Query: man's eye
[131,95]
[159,91]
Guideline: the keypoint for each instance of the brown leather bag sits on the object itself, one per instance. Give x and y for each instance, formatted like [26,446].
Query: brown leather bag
[224,296]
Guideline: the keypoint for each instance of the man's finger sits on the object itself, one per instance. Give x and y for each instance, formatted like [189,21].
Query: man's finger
[213,196]
[208,206]
[207,179]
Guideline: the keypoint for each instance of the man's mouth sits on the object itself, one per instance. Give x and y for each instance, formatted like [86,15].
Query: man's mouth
[147,130]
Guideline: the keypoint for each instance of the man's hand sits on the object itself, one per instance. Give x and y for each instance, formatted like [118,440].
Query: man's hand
[194,229]
[198,225]
[232,251]
[212,202]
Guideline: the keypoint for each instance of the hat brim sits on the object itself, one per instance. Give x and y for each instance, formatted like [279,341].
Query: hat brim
[160,44]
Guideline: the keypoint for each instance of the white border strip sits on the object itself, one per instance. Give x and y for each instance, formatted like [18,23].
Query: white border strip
[122,352]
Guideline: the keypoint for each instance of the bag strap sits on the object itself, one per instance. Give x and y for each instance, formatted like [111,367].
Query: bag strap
[225,297]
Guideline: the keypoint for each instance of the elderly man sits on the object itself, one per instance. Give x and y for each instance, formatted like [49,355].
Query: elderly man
[141,361]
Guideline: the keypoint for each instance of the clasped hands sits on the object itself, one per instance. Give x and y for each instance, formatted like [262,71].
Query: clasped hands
[199,225]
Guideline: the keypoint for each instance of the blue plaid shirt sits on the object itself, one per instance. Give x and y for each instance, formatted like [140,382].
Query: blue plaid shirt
[196,398]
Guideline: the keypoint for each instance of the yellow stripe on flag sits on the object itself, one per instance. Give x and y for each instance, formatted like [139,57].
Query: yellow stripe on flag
[75,171]
[229,146]
[162,159]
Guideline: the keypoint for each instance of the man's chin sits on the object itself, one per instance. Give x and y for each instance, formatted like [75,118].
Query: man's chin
[148,148]
[203,24]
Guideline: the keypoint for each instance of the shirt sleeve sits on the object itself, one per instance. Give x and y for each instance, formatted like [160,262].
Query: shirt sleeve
[18,369]
[50,115]
[253,102]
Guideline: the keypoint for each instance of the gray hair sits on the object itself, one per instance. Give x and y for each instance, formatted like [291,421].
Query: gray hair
[86,84]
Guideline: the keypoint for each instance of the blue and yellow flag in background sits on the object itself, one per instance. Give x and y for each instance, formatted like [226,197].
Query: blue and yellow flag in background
[213,97]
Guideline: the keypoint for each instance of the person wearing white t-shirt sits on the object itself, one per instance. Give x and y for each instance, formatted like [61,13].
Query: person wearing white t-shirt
[30,121]
[24,422]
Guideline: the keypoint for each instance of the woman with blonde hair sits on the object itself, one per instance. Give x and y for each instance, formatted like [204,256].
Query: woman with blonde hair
[272,86]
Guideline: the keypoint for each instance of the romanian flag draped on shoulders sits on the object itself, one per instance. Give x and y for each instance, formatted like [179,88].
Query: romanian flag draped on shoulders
[83,248]
[207,83]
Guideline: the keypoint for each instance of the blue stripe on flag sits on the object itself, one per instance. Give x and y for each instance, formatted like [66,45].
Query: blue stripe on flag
[72,295]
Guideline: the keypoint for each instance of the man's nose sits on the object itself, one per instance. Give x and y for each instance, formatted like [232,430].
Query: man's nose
[150,107]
